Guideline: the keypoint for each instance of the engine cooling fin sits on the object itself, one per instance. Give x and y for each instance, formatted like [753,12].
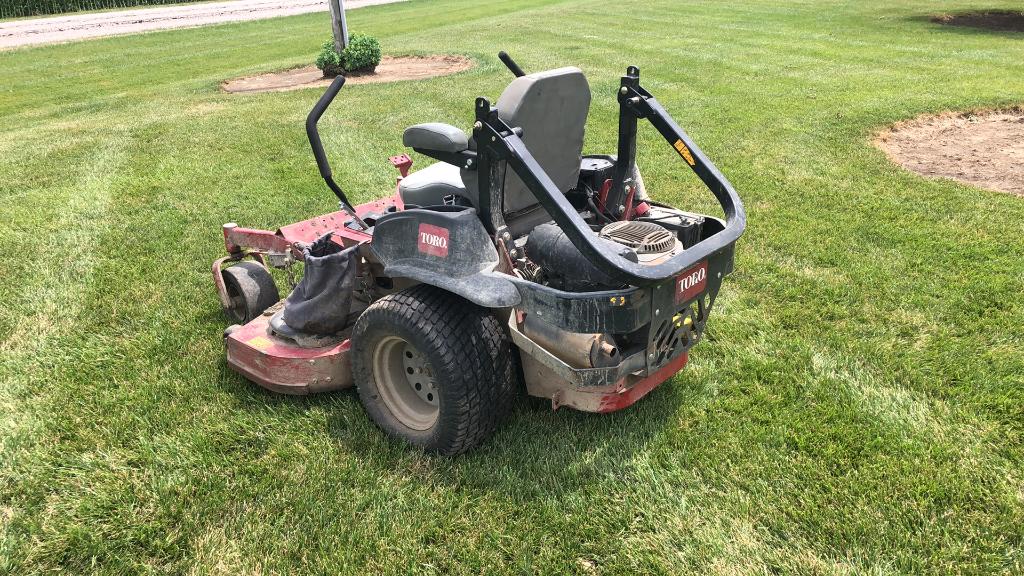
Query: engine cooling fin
[643,237]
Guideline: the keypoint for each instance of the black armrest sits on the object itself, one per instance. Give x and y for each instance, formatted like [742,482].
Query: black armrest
[442,142]
[436,136]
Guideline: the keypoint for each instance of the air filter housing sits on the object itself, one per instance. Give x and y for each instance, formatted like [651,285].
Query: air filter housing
[642,237]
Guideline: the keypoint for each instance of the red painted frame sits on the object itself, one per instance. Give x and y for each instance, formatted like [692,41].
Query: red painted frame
[254,243]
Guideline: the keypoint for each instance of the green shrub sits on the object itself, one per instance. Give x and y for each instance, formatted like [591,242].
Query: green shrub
[361,55]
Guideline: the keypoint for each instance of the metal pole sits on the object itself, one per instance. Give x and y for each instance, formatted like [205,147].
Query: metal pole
[338,24]
[344,23]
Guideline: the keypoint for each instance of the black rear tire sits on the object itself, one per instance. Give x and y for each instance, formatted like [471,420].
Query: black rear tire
[465,353]
[251,289]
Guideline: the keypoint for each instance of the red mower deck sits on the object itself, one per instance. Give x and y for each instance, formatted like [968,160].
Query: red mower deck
[281,366]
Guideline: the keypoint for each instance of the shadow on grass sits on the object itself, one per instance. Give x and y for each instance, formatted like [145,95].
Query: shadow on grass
[537,453]
[1006,22]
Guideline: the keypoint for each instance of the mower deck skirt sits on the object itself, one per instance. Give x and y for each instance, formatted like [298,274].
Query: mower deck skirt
[281,366]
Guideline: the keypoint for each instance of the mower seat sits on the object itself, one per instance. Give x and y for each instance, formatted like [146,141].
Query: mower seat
[439,183]
[551,107]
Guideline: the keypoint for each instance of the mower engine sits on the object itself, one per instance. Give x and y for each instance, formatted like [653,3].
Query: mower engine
[552,259]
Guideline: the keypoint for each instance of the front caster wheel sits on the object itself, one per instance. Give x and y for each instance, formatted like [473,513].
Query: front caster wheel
[251,290]
[433,369]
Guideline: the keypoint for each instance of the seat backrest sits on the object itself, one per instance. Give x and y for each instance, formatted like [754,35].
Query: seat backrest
[551,107]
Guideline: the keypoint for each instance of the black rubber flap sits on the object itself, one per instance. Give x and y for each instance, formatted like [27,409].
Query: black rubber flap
[320,304]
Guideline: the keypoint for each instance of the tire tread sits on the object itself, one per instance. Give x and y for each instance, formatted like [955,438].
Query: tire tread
[469,347]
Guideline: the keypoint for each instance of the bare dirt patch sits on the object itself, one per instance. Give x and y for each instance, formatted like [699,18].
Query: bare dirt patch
[997,20]
[983,149]
[390,69]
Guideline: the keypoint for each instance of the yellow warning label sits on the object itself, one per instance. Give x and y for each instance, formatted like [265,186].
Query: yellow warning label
[680,321]
[684,152]
[260,343]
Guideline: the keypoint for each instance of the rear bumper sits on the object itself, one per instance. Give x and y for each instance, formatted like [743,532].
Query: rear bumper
[590,389]
[543,382]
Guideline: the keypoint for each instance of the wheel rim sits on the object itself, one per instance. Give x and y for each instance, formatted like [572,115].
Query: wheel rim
[406,383]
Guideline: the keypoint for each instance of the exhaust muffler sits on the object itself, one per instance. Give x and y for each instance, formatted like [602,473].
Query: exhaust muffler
[575,349]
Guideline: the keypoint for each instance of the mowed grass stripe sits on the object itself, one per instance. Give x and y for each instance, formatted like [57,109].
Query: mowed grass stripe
[855,408]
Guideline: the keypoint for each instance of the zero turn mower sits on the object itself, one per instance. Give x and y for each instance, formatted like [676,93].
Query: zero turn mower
[515,259]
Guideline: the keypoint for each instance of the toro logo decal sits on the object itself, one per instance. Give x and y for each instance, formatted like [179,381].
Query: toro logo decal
[691,282]
[433,240]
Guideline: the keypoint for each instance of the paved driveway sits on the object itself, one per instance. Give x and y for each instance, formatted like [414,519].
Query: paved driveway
[79,26]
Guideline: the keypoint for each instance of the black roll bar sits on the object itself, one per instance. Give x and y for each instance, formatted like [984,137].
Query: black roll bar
[501,142]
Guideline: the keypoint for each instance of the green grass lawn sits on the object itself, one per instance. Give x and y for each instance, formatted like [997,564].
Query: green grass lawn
[856,408]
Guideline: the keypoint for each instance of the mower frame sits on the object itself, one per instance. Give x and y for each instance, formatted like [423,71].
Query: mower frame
[668,303]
